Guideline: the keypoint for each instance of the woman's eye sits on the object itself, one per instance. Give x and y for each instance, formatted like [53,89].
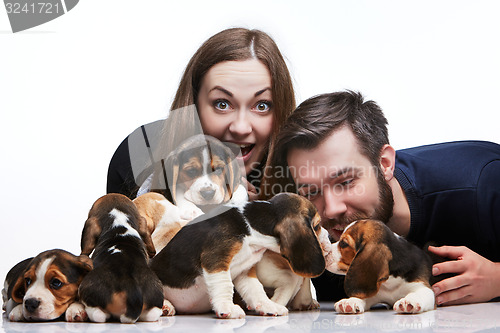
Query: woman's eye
[263,106]
[221,105]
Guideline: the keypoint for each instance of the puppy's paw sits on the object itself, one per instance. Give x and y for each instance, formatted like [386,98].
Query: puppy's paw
[168,308]
[312,304]
[409,304]
[230,311]
[351,305]
[270,308]
[96,315]
[76,313]
[17,313]
[152,314]
[190,212]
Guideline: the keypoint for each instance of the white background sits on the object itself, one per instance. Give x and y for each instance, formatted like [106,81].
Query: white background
[72,89]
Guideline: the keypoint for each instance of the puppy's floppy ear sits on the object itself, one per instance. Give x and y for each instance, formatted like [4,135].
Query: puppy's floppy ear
[90,235]
[171,170]
[84,263]
[369,268]
[146,236]
[299,245]
[17,288]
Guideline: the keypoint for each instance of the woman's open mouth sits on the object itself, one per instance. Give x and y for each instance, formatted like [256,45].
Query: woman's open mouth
[246,149]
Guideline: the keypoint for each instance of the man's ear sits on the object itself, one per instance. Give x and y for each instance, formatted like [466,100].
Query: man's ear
[387,161]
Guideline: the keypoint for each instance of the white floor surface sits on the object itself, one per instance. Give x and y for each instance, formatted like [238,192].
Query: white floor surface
[454,319]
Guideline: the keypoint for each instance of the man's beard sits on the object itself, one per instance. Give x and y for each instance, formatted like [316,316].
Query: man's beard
[384,210]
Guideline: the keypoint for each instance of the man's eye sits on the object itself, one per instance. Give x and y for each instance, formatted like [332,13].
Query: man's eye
[347,182]
[221,105]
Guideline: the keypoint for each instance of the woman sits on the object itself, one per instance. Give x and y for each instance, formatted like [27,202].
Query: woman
[242,90]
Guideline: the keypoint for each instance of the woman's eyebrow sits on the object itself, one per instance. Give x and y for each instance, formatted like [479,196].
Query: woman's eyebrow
[260,92]
[225,91]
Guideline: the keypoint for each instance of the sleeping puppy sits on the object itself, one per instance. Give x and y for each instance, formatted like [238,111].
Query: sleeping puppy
[200,264]
[203,173]
[121,285]
[381,267]
[46,287]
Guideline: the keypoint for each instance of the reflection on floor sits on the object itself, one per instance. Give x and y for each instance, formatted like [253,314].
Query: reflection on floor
[463,318]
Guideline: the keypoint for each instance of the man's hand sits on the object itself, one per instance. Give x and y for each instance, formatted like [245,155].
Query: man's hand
[477,280]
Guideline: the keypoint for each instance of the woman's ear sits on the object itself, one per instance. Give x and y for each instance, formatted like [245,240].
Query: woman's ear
[387,161]
[369,268]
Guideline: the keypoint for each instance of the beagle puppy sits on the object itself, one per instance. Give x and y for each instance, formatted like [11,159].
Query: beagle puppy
[203,173]
[121,285]
[290,289]
[381,267]
[162,217]
[209,257]
[46,287]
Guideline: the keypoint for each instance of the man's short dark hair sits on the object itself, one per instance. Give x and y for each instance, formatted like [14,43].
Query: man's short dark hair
[317,118]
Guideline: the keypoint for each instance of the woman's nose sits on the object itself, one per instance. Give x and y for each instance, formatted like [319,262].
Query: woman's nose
[240,125]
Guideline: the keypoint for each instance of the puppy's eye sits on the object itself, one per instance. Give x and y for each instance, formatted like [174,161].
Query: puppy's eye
[191,172]
[55,284]
[343,244]
[27,281]
[218,170]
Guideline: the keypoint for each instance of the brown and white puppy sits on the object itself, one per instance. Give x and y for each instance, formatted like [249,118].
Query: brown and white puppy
[290,289]
[46,287]
[207,258]
[121,285]
[162,217]
[203,172]
[381,267]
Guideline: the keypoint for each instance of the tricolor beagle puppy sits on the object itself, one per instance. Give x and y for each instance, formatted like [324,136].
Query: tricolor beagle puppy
[290,289]
[203,172]
[121,285]
[46,287]
[381,267]
[200,264]
[162,217]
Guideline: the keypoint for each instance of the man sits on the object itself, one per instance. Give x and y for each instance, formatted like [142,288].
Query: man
[335,149]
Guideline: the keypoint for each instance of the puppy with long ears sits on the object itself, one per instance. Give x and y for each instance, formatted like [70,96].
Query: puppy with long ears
[46,287]
[381,267]
[202,173]
[207,258]
[121,285]
[290,289]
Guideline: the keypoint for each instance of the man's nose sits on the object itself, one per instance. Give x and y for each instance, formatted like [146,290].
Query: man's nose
[334,205]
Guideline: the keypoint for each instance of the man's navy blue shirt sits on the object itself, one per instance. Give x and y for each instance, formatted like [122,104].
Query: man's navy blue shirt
[453,190]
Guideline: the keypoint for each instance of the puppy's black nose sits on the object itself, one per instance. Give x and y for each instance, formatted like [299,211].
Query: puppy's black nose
[207,194]
[31,304]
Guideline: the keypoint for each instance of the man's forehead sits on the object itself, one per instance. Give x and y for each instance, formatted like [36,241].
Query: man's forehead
[332,158]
